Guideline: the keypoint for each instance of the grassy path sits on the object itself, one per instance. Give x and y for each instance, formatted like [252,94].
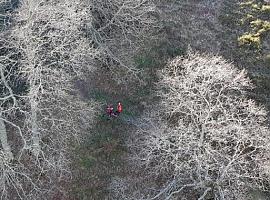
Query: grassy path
[102,155]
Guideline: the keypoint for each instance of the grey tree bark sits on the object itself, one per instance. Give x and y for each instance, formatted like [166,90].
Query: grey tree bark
[4,140]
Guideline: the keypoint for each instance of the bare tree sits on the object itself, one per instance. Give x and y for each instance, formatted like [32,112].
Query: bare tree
[49,45]
[206,139]
[119,29]
[54,52]
[45,49]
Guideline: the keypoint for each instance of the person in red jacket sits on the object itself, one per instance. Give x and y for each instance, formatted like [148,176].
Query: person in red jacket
[119,108]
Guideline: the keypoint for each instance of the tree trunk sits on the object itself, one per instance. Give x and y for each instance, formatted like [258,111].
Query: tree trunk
[34,121]
[3,138]
[35,133]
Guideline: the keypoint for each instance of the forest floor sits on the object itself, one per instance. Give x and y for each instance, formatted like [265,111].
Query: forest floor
[102,155]
[205,26]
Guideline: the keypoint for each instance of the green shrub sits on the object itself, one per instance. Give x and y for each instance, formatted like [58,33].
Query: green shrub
[255,22]
[247,3]
[250,39]
[265,9]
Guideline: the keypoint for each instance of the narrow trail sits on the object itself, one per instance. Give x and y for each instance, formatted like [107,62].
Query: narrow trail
[102,156]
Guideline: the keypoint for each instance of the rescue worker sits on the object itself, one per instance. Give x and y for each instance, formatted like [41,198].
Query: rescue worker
[119,108]
[109,110]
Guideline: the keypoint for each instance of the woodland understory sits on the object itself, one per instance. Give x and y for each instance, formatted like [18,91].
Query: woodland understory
[194,80]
